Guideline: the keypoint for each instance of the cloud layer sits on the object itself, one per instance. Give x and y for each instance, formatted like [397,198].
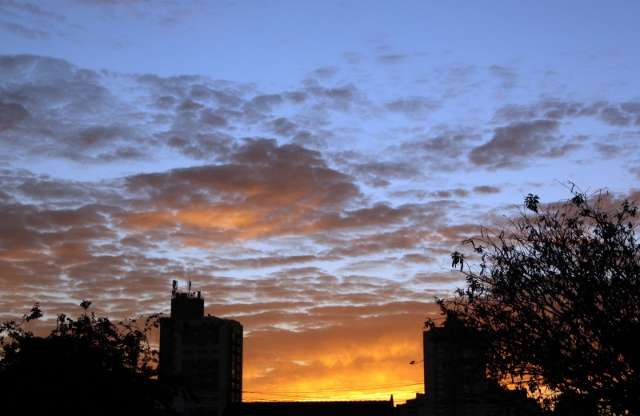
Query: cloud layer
[320,215]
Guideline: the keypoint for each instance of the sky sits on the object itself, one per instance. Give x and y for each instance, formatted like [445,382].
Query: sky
[310,166]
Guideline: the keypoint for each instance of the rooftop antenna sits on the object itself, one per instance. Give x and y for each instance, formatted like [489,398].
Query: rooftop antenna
[189,291]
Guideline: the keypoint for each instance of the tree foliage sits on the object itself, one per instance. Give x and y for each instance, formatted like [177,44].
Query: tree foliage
[87,365]
[556,296]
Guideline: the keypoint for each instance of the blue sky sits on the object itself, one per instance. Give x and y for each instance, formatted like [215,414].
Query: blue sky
[273,41]
[309,165]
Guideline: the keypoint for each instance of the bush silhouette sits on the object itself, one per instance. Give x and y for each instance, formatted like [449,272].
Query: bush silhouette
[87,365]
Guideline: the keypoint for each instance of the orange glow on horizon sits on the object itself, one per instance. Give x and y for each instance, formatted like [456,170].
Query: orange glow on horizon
[349,372]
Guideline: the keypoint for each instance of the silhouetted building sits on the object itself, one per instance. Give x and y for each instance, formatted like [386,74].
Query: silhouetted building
[354,408]
[455,378]
[200,354]
[412,407]
[454,370]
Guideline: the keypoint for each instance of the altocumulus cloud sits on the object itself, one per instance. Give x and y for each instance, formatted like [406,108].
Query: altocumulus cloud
[252,195]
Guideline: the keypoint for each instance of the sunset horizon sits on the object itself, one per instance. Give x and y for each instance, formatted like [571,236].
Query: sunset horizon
[310,167]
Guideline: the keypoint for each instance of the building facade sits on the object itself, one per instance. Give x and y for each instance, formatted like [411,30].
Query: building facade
[201,355]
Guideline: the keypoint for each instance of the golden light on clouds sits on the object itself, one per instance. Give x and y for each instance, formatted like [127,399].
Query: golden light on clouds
[224,217]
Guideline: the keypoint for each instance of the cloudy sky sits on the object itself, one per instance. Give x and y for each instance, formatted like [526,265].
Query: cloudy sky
[308,165]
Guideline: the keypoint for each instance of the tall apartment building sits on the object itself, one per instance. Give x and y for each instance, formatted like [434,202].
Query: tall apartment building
[455,379]
[202,355]
[454,372]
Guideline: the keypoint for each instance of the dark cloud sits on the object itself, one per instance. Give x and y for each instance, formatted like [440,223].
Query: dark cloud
[439,278]
[448,193]
[613,114]
[51,238]
[414,107]
[458,79]
[76,114]
[456,233]
[513,145]
[633,110]
[317,139]
[418,194]
[515,112]
[122,154]
[558,151]
[392,58]
[166,101]
[417,258]
[296,96]
[325,71]
[608,150]
[443,150]
[23,31]
[86,116]
[11,7]
[262,103]
[486,189]
[382,173]
[283,126]
[448,144]
[403,238]
[209,146]
[55,193]
[71,114]
[24,68]
[376,216]
[96,136]
[537,136]
[189,105]
[507,76]
[211,118]
[335,98]
[618,145]
[67,109]
[11,114]
[48,189]
[181,86]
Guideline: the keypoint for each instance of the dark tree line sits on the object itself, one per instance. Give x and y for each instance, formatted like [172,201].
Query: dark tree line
[556,296]
[86,365]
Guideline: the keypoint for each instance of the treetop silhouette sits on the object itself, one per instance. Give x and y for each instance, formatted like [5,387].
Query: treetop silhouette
[556,295]
[87,365]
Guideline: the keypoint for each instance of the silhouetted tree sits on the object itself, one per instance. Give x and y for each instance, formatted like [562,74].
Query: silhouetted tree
[557,297]
[87,365]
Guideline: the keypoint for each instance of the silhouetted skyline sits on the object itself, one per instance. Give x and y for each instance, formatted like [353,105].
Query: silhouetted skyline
[309,166]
